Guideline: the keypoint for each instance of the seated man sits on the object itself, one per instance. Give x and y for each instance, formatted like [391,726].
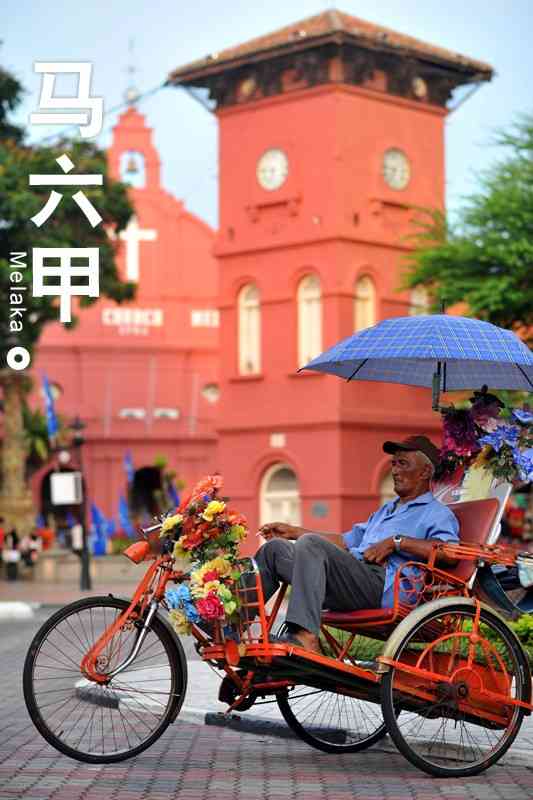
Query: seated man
[355,570]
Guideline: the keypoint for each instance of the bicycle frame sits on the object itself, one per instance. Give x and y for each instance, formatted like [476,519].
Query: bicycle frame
[248,645]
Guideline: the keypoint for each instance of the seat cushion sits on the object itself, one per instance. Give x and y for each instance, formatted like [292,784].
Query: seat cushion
[374,615]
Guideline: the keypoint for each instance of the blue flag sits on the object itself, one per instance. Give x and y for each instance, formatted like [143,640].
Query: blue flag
[51,419]
[128,466]
[124,517]
[99,525]
[39,522]
[173,494]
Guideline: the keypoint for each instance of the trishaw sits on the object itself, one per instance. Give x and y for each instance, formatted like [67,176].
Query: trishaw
[441,671]
[104,677]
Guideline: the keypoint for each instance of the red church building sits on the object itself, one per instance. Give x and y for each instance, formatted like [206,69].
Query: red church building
[331,133]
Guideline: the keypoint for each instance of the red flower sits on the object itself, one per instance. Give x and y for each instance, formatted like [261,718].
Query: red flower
[208,485]
[234,518]
[210,607]
[183,505]
[191,540]
[211,575]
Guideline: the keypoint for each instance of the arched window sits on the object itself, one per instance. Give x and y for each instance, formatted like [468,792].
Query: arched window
[364,303]
[419,301]
[386,489]
[309,297]
[249,330]
[280,496]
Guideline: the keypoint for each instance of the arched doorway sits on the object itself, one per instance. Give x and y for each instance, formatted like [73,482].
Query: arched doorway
[280,496]
[146,493]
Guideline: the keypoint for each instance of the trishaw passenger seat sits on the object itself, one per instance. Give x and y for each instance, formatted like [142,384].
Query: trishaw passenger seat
[476,522]
[477,519]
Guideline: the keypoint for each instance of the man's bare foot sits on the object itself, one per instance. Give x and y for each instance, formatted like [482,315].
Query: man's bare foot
[302,638]
[309,640]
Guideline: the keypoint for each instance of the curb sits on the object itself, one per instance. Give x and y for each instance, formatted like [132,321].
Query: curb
[16,610]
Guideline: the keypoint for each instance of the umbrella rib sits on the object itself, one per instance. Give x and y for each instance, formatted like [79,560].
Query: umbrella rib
[525,376]
[354,373]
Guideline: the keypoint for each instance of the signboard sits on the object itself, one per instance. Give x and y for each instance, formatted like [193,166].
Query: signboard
[66,488]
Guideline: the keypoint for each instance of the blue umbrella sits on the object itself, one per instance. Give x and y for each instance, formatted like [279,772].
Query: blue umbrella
[438,351]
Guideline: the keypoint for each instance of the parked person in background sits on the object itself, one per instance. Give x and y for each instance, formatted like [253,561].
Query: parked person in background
[30,547]
[11,554]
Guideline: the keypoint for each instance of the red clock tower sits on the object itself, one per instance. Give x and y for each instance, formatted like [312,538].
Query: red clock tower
[331,133]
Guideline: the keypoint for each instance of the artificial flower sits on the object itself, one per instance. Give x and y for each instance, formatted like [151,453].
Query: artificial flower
[523,415]
[170,523]
[503,434]
[214,507]
[180,623]
[210,607]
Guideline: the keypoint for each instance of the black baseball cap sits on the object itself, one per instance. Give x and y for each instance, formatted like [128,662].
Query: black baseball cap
[421,443]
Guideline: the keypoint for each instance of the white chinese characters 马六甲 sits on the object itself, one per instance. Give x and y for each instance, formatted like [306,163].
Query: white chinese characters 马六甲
[89,120]
[66,180]
[65,271]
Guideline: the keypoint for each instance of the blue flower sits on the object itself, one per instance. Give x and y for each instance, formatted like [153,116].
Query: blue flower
[503,434]
[524,463]
[178,598]
[522,415]
[191,613]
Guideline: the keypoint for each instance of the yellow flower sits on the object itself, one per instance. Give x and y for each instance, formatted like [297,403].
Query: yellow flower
[198,590]
[214,507]
[220,564]
[171,522]
[179,621]
[211,586]
[179,552]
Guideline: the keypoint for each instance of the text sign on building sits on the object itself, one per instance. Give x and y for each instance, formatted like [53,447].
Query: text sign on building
[205,318]
[66,488]
[133,321]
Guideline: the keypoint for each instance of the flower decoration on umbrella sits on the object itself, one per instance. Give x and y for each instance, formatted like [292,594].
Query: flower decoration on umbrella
[207,534]
[490,435]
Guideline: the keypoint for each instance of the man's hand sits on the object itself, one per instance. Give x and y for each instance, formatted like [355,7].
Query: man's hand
[378,553]
[278,530]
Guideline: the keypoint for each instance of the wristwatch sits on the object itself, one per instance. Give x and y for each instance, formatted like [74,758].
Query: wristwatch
[397,542]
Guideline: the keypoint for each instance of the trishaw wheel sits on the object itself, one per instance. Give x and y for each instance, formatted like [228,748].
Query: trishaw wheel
[332,722]
[102,723]
[455,720]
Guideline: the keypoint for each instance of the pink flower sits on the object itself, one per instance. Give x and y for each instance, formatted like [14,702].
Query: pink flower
[210,607]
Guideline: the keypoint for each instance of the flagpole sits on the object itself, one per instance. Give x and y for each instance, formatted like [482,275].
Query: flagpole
[85,575]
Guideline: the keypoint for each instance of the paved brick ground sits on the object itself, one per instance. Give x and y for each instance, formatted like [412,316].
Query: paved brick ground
[193,762]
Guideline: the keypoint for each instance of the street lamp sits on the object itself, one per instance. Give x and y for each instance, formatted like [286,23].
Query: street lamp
[77,426]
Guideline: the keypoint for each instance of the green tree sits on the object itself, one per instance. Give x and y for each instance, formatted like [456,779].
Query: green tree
[486,259]
[67,227]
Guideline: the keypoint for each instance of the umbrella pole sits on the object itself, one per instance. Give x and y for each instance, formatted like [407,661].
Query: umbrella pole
[435,388]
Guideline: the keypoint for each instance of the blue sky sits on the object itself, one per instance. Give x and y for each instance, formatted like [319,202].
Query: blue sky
[168,34]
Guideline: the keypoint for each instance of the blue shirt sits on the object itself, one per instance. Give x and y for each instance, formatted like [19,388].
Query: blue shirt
[421,518]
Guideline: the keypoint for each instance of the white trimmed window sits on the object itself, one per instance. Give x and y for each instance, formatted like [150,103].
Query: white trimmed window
[419,301]
[364,303]
[249,330]
[280,496]
[309,299]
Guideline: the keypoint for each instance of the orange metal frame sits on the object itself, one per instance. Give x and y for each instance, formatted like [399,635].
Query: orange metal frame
[250,647]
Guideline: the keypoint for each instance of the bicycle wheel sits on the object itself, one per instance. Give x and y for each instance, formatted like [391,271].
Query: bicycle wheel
[332,722]
[89,721]
[459,725]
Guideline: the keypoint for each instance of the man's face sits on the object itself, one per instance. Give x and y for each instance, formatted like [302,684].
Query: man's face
[408,472]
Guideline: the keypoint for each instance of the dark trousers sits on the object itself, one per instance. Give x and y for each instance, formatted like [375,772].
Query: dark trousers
[321,574]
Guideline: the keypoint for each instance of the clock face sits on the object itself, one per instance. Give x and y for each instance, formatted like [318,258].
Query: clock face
[272,169]
[396,168]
